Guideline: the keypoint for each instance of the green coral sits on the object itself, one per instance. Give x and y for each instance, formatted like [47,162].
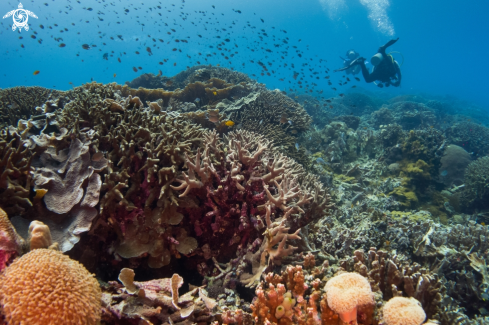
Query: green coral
[414,176]
[345,179]
[419,216]
[405,194]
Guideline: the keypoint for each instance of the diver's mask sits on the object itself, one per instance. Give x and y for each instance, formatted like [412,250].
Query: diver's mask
[376,59]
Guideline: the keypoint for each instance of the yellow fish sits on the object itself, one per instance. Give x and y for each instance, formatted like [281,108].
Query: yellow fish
[229,123]
[215,93]
[40,193]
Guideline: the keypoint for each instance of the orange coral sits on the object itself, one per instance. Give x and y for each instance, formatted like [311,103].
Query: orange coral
[47,287]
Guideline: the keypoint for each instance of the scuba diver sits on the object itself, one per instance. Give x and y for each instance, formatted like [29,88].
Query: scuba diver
[350,56]
[386,69]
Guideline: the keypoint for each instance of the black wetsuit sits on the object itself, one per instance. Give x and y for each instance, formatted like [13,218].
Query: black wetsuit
[387,71]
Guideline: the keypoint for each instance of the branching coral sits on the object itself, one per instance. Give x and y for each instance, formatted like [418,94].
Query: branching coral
[15,167]
[240,186]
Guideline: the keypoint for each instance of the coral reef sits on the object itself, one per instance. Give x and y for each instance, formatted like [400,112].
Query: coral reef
[46,287]
[210,177]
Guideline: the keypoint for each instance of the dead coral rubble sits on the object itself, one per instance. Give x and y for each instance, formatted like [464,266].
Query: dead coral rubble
[154,302]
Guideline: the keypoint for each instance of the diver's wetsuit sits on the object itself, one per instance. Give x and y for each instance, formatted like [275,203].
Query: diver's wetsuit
[386,70]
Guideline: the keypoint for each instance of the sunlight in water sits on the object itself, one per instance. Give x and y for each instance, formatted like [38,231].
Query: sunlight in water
[378,15]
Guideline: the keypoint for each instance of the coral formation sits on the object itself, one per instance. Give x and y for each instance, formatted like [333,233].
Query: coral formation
[20,103]
[47,287]
[213,176]
[476,191]
[11,244]
[346,293]
[403,311]
[453,164]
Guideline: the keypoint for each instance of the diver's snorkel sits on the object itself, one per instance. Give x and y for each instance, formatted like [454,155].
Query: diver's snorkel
[376,59]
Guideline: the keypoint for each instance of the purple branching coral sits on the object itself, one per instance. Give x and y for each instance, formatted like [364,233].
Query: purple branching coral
[246,198]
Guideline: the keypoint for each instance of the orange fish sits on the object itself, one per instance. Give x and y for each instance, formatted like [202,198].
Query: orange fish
[36,72]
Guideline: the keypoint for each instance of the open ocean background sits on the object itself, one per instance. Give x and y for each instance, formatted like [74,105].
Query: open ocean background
[444,43]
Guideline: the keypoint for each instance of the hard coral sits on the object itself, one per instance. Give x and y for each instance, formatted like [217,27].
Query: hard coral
[235,189]
[403,311]
[346,292]
[15,167]
[476,192]
[47,287]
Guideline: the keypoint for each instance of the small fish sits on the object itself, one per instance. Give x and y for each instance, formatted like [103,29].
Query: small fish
[40,193]
[290,122]
[215,93]
[320,161]
[36,72]
[261,121]
[62,45]
[159,73]
[357,79]
[86,46]
[283,119]
[115,75]
[197,100]
[105,56]
[229,123]
[119,59]
[297,146]
[135,69]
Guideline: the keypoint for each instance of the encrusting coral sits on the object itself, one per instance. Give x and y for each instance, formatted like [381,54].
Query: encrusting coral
[46,287]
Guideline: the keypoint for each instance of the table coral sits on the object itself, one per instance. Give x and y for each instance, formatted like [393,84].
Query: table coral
[47,287]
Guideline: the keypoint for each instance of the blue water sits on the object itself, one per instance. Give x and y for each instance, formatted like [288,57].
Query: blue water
[443,43]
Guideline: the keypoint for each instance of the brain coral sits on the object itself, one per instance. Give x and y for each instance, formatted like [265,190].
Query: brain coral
[47,287]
